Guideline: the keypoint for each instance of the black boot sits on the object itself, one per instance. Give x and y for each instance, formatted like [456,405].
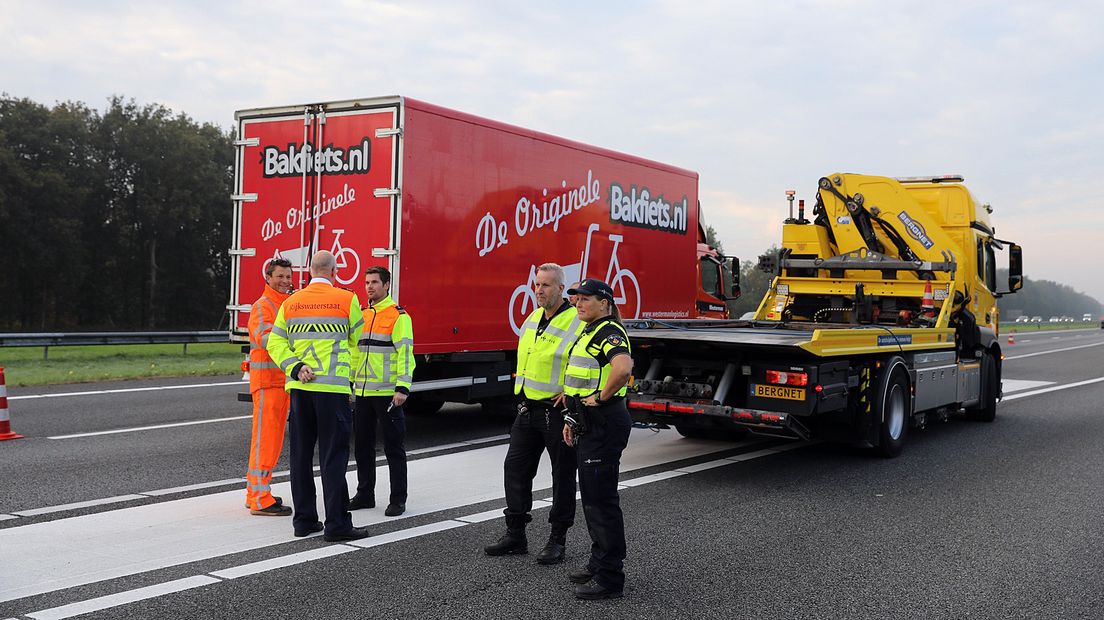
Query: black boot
[513,543]
[553,552]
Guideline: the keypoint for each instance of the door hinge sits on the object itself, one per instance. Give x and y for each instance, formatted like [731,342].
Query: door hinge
[247,142]
[382,252]
[384,132]
[242,251]
[244,197]
[384,192]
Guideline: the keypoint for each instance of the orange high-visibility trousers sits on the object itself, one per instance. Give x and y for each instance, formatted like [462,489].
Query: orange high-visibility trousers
[270,413]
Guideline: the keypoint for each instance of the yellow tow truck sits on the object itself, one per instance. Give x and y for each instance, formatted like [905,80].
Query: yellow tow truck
[881,317]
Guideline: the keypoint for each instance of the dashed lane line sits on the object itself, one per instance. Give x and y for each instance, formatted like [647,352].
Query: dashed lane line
[150,428]
[126,390]
[1084,346]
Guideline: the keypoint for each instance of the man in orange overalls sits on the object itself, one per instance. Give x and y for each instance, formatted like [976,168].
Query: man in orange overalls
[270,401]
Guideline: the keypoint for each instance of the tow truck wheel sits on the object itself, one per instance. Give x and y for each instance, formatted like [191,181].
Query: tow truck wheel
[986,409]
[894,408]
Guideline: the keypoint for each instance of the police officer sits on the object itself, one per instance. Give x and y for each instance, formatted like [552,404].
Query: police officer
[541,362]
[595,383]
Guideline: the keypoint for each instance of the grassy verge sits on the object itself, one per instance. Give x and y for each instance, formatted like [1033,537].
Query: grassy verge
[24,366]
[1022,328]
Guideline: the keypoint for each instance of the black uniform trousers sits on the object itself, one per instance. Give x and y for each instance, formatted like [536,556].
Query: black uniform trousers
[531,435]
[323,418]
[370,411]
[599,456]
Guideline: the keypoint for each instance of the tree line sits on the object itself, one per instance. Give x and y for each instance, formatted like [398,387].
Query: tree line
[112,220]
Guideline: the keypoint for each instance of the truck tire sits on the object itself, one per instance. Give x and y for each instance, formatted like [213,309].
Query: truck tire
[986,409]
[894,402]
[422,405]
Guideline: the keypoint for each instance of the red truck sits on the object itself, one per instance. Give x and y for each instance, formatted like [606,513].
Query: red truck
[462,210]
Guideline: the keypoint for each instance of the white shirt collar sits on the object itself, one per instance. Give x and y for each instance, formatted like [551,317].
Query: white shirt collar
[317,279]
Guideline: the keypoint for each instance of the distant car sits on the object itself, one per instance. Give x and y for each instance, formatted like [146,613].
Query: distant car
[1036,319]
[1086,317]
[1023,318]
[1054,319]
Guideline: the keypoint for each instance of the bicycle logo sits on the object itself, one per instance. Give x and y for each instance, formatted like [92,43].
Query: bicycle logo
[347,260]
[626,288]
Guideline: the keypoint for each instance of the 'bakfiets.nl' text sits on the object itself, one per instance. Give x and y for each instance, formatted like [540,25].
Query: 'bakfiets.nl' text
[297,160]
[639,208]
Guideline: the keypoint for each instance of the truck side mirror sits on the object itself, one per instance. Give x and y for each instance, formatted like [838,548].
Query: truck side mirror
[1015,268]
[734,266]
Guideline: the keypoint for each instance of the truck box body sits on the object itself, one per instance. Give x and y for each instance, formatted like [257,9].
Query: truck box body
[462,210]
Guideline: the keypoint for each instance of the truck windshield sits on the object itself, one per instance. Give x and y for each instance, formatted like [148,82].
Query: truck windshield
[710,276]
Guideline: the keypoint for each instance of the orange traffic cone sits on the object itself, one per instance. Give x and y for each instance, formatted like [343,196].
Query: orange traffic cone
[1011,338]
[5,420]
[927,306]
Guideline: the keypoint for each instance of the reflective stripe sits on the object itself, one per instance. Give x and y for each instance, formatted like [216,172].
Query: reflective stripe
[263,366]
[259,487]
[331,380]
[374,385]
[279,331]
[404,342]
[288,363]
[581,382]
[264,339]
[358,324]
[318,320]
[583,361]
[259,473]
[404,379]
[336,336]
[544,387]
[260,423]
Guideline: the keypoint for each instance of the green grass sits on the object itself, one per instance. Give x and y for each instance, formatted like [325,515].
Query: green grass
[24,366]
[1027,328]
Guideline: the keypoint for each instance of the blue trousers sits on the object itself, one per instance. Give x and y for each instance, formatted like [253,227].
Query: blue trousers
[323,418]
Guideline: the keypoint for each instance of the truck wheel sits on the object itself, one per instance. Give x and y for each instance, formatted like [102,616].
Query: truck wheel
[422,405]
[986,409]
[894,410]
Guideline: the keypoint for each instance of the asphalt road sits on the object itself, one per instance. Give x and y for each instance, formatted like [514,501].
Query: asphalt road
[973,520]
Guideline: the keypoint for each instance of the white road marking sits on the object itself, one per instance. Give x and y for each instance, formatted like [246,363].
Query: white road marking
[411,532]
[77,505]
[64,553]
[153,427]
[283,561]
[1054,389]
[125,390]
[193,487]
[1018,385]
[1084,346]
[324,552]
[8,517]
[122,598]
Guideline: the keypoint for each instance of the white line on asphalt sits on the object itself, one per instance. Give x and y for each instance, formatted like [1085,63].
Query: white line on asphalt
[1084,346]
[1054,388]
[122,598]
[76,505]
[193,487]
[282,562]
[125,390]
[8,517]
[150,428]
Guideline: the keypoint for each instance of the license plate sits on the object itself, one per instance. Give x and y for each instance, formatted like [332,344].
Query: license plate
[777,391]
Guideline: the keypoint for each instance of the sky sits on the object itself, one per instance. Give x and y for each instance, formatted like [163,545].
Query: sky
[757,97]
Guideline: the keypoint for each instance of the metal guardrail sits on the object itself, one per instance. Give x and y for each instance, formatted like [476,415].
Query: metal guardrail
[47,340]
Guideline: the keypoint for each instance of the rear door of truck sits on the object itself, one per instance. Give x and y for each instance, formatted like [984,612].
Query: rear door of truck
[308,178]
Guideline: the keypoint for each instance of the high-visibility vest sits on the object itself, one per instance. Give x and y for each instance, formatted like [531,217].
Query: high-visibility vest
[317,326]
[263,372]
[584,376]
[542,358]
[384,358]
